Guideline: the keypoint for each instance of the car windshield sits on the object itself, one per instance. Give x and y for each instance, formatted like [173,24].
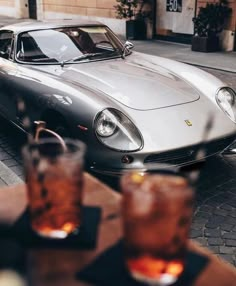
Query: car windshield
[67,45]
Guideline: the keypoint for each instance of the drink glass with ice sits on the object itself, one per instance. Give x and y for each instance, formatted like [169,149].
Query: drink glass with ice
[54,178]
[156,218]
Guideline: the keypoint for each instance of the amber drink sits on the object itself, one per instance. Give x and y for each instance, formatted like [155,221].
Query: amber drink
[54,176]
[157,211]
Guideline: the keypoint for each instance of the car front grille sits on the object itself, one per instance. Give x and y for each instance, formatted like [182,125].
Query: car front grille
[184,155]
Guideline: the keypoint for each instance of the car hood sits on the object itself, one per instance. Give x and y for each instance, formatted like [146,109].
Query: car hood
[135,82]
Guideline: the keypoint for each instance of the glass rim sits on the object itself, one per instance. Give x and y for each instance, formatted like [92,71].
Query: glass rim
[125,189]
[78,153]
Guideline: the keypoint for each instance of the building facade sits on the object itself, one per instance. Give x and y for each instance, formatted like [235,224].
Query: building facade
[172,18]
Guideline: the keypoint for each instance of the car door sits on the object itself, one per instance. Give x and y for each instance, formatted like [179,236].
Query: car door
[7,72]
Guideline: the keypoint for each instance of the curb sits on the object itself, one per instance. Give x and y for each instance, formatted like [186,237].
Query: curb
[8,176]
[228,70]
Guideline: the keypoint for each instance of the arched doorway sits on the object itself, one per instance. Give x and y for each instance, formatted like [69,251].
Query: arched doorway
[33,9]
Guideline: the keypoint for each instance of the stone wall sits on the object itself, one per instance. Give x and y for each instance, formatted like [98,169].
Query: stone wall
[7,3]
[98,8]
[7,8]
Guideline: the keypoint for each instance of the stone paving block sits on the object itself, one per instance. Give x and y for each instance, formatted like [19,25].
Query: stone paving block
[9,177]
[215,241]
[206,208]
[201,240]
[214,249]
[233,214]
[4,145]
[217,219]
[203,215]
[226,207]
[22,177]
[227,227]
[227,250]
[230,220]
[10,162]
[229,242]
[199,220]
[211,224]
[2,183]
[232,203]
[11,152]
[220,212]
[229,235]
[18,170]
[226,257]
[4,155]
[212,233]
[214,203]
[195,233]
[197,226]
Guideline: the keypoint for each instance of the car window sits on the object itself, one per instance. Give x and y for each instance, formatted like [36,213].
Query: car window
[5,43]
[65,44]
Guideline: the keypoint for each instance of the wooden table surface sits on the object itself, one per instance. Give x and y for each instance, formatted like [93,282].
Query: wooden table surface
[57,267]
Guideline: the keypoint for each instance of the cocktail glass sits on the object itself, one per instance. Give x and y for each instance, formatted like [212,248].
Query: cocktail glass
[54,177]
[156,214]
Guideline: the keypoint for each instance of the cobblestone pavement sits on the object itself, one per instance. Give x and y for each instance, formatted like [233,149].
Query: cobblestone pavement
[214,221]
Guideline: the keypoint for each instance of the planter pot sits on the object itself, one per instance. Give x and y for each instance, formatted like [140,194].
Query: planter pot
[135,30]
[205,44]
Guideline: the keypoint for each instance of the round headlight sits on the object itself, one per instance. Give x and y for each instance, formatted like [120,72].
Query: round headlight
[106,124]
[115,130]
[225,98]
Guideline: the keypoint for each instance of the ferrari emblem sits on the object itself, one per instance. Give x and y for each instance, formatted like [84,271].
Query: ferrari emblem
[188,122]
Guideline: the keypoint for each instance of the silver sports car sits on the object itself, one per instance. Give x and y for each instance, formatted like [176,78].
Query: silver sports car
[132,110]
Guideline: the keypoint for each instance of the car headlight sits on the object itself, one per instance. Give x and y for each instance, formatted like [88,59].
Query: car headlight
[116,131]
[106,124]
[225,98]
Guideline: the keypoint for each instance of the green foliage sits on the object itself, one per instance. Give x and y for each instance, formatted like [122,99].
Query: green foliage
[133,9]
[126,8]
[210,19]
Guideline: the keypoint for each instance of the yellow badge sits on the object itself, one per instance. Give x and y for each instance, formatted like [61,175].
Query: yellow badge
[188,122]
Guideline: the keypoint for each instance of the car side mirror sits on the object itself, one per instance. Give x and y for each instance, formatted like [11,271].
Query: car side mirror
[128,45]
[4,55]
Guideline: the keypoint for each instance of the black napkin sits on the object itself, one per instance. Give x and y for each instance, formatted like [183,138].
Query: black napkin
[109,269]
[12,255]
[85,238]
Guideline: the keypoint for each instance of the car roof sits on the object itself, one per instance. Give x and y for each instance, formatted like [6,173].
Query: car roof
[38,25]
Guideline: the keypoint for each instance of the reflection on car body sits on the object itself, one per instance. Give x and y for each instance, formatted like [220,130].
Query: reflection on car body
[133,111]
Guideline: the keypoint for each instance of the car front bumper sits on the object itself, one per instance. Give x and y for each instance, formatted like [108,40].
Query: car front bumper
[172,159]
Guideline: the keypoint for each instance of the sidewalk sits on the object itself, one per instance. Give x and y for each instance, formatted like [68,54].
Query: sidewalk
[4,20]
[225,61]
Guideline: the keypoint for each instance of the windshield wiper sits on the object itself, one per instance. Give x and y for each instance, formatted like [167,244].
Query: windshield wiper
[81,57]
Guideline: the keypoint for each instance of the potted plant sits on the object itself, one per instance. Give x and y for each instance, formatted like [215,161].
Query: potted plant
[208,24]
[135,24]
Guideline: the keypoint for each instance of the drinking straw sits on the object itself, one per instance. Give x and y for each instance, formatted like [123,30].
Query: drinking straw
[25,119]
[194,172]
[27,124]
